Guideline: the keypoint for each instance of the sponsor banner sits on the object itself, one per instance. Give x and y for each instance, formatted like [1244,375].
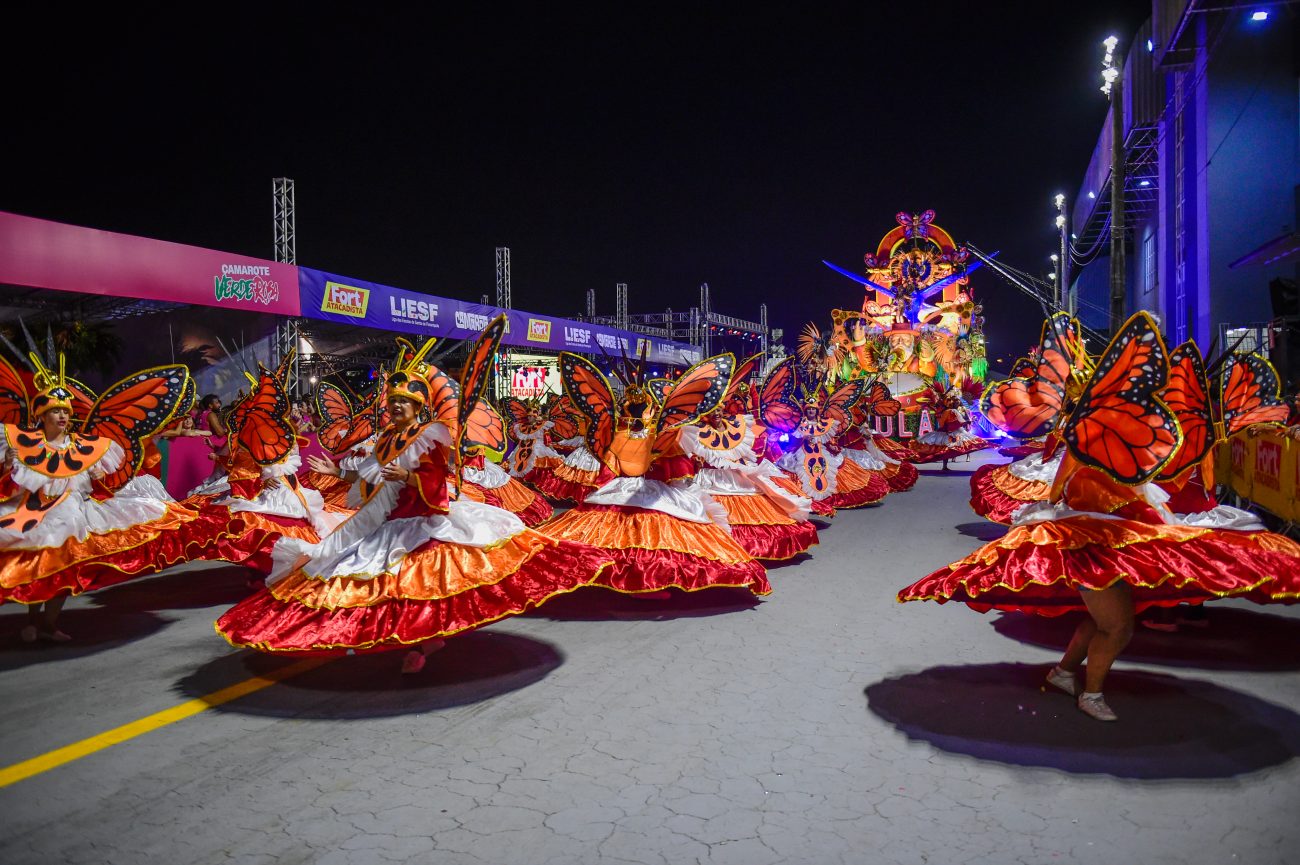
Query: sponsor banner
[331,297]
[1263,468]
[51,255]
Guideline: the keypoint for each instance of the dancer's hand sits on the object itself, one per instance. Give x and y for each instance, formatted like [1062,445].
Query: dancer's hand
[324,466]
[393,472]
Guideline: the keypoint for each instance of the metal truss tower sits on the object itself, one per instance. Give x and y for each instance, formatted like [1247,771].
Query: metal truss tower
[620,304]
[762,320]
[706,343]
[283,215]
[504,299]
[591,304]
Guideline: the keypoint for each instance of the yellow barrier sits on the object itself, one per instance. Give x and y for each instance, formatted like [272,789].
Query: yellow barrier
[1264,468]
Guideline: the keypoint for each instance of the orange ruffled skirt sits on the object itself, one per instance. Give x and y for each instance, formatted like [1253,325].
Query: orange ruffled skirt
[565,483]
[438,590]
[923,453]
[996,494]
[647,551]
[180,535]
[1040,568]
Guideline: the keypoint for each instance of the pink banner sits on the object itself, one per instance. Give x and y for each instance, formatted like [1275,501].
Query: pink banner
[189,463]
[43,254]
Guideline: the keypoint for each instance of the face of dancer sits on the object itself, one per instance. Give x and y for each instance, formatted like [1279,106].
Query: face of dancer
[402,410]
[56,422]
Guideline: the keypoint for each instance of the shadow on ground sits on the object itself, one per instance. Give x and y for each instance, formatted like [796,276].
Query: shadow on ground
[595,604]
[473,667]
[93,630]
[982,530]
[951,471]
[222,585]
[1234,639]
[1168,728]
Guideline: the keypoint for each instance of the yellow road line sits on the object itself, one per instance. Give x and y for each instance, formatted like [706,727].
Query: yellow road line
[53,759]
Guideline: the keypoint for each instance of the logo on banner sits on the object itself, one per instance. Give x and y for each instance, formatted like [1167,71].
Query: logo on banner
[1237,450]
[343,299]
[580,336]
[539,330]
[246,282]
[1268,463]
[475,320]
[608,340]
[412,311]
[528,382]
[642,345]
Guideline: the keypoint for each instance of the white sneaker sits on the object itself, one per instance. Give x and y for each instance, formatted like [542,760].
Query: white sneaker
[1064,680]
[1094,706]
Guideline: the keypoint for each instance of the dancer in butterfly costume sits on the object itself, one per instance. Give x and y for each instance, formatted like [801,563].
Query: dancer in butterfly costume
[655,528]
[825,474]
[860,443]
[766,520]
[1026,368]
[579,472]
[262,497]
[63,530]
[1104,543]
[1030,407]
[412,565]
[537,430]
[951,436]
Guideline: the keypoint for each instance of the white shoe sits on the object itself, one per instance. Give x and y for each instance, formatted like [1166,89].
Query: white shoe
[1094,706]
[1064,680]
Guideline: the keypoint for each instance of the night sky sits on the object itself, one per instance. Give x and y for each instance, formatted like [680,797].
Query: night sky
[736,147]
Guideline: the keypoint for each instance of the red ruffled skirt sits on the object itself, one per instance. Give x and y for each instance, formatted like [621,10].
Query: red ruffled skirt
[856,487]
[565,483]
[440,589]
[1040,568]
[1020,451]
[901,476]
[647,551]
[996,494]
[180,535]
[790,483]
[250,536]
[923,453]
[764,530]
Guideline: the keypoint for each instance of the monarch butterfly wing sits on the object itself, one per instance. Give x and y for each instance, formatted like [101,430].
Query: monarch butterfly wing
[516,409]
[592,395]
[660,388]
[13,396]
[335,410]
[744,370]
[444,399]
[1120,425]
[261,423]
[697,392]
[1251,393]
[560,413]
[878,400]
[1188,396]
[485,428]
[133,409]
[1023,368]
[83,398]
[476,374]
[1031,407]
[841,402]
[776,403]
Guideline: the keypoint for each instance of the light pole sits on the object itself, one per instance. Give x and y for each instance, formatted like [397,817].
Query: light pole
[1113,87]
[1063,266]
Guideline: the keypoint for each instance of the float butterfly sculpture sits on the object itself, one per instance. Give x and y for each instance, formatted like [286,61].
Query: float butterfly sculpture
[628,434]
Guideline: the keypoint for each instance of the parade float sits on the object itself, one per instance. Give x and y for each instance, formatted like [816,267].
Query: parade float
[919,328]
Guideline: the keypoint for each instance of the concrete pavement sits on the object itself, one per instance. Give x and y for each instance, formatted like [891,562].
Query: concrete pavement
[824,724]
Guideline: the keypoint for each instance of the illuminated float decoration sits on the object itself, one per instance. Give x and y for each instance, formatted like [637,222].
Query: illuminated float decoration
[919,324]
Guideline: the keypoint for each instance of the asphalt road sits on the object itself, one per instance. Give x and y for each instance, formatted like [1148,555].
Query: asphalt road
[824,724]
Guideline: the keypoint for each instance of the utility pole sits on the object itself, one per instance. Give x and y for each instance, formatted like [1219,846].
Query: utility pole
[1063,267]
[1114,88]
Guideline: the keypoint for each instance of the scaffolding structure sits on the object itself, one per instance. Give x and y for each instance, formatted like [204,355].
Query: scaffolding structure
[284,227]
[700,327]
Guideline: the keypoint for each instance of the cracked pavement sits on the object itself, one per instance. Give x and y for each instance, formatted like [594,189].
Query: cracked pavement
[824,724]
